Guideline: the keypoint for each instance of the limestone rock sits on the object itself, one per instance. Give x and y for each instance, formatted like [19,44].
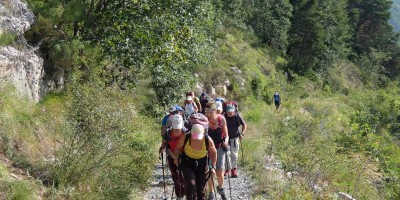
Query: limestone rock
[23,69]
[15,17]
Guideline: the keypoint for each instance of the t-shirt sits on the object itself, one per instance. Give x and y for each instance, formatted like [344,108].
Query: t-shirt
[277,97]
[233,124]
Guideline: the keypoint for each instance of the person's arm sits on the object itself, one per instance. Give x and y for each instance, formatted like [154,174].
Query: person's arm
[163,146]
[212,152]
[199,105]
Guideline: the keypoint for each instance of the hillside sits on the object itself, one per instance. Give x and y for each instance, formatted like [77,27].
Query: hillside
[97,137]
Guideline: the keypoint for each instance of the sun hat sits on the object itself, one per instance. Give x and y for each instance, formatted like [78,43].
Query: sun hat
[218,104]
[177,122]
[197,132]
[230,108]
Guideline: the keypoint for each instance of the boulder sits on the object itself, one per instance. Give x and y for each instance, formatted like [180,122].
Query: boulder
[15,17]
[20,66]
[23,69]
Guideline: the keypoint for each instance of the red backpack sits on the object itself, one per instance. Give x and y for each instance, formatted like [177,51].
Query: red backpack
[231,103]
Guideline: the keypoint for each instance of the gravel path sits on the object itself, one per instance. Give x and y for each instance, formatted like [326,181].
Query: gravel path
[241,186]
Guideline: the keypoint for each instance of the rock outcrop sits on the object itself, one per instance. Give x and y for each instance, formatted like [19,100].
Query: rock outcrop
[23,69]
[19,65]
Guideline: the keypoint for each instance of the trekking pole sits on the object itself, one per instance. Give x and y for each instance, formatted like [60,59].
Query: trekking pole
[226,164]
[163,174]
[172,194]
[213,185]
[242,151]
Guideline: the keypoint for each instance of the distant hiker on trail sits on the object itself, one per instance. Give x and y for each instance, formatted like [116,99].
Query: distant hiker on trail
[218,131]
[170,141]
[189,107]
[277,99]
[196,101]
[196,148]
[203,102]
[233,121]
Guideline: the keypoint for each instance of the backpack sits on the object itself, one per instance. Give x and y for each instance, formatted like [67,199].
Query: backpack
[231,103]
[277,97]
[198,118]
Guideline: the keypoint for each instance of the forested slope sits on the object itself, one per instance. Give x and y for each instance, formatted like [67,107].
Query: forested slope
[335,62]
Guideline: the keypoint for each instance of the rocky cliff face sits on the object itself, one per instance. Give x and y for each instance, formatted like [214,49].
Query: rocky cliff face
[19,65]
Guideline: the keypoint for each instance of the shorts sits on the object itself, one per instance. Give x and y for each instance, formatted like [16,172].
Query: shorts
[221,156]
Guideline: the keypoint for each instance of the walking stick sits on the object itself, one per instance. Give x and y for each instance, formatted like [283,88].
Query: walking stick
[226,164]
[242,151]
[163,174]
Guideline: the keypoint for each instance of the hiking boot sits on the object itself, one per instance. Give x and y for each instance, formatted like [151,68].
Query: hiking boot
[222,193]
[211,196]
[234,173]
[226,173]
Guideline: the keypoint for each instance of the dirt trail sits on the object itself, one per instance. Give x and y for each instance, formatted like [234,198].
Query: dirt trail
[241,186]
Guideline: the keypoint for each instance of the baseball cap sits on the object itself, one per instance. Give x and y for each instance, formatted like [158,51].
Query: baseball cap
[178,108]
[197,132]
[172,109]
[177,122]
[230,108]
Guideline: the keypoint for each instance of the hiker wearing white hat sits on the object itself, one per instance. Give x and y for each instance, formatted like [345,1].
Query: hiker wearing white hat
[196,149]
[170,141]
[189,106]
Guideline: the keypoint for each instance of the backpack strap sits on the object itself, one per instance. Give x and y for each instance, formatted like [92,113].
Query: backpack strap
[186,140]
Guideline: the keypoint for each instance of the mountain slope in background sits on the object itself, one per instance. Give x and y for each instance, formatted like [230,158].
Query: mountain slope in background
[395,18]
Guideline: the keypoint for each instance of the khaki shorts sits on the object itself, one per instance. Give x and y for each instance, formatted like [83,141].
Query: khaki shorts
[221,156]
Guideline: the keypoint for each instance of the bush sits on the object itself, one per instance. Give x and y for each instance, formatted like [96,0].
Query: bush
[105,150]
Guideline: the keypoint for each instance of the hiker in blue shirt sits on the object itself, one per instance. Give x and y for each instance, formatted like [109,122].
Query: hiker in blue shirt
[277,99]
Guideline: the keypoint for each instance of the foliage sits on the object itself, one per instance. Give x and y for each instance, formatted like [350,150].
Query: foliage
[319,35]
[395,15]
[271,22]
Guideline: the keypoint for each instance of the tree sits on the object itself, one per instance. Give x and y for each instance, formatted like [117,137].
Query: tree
[319,34]
[157,40]
[372,32]
[271,21]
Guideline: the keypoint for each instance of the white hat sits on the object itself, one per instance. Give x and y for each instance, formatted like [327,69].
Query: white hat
[177,122]
[197,132]
[219,105]
[189,98]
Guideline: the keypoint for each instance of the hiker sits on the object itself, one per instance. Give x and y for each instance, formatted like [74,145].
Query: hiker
[170,140]
[219,107]
[203,102]
[164,123]
[196,101]
[218,132]
[277,99]
[233,121]
[196,148]
[189,106]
